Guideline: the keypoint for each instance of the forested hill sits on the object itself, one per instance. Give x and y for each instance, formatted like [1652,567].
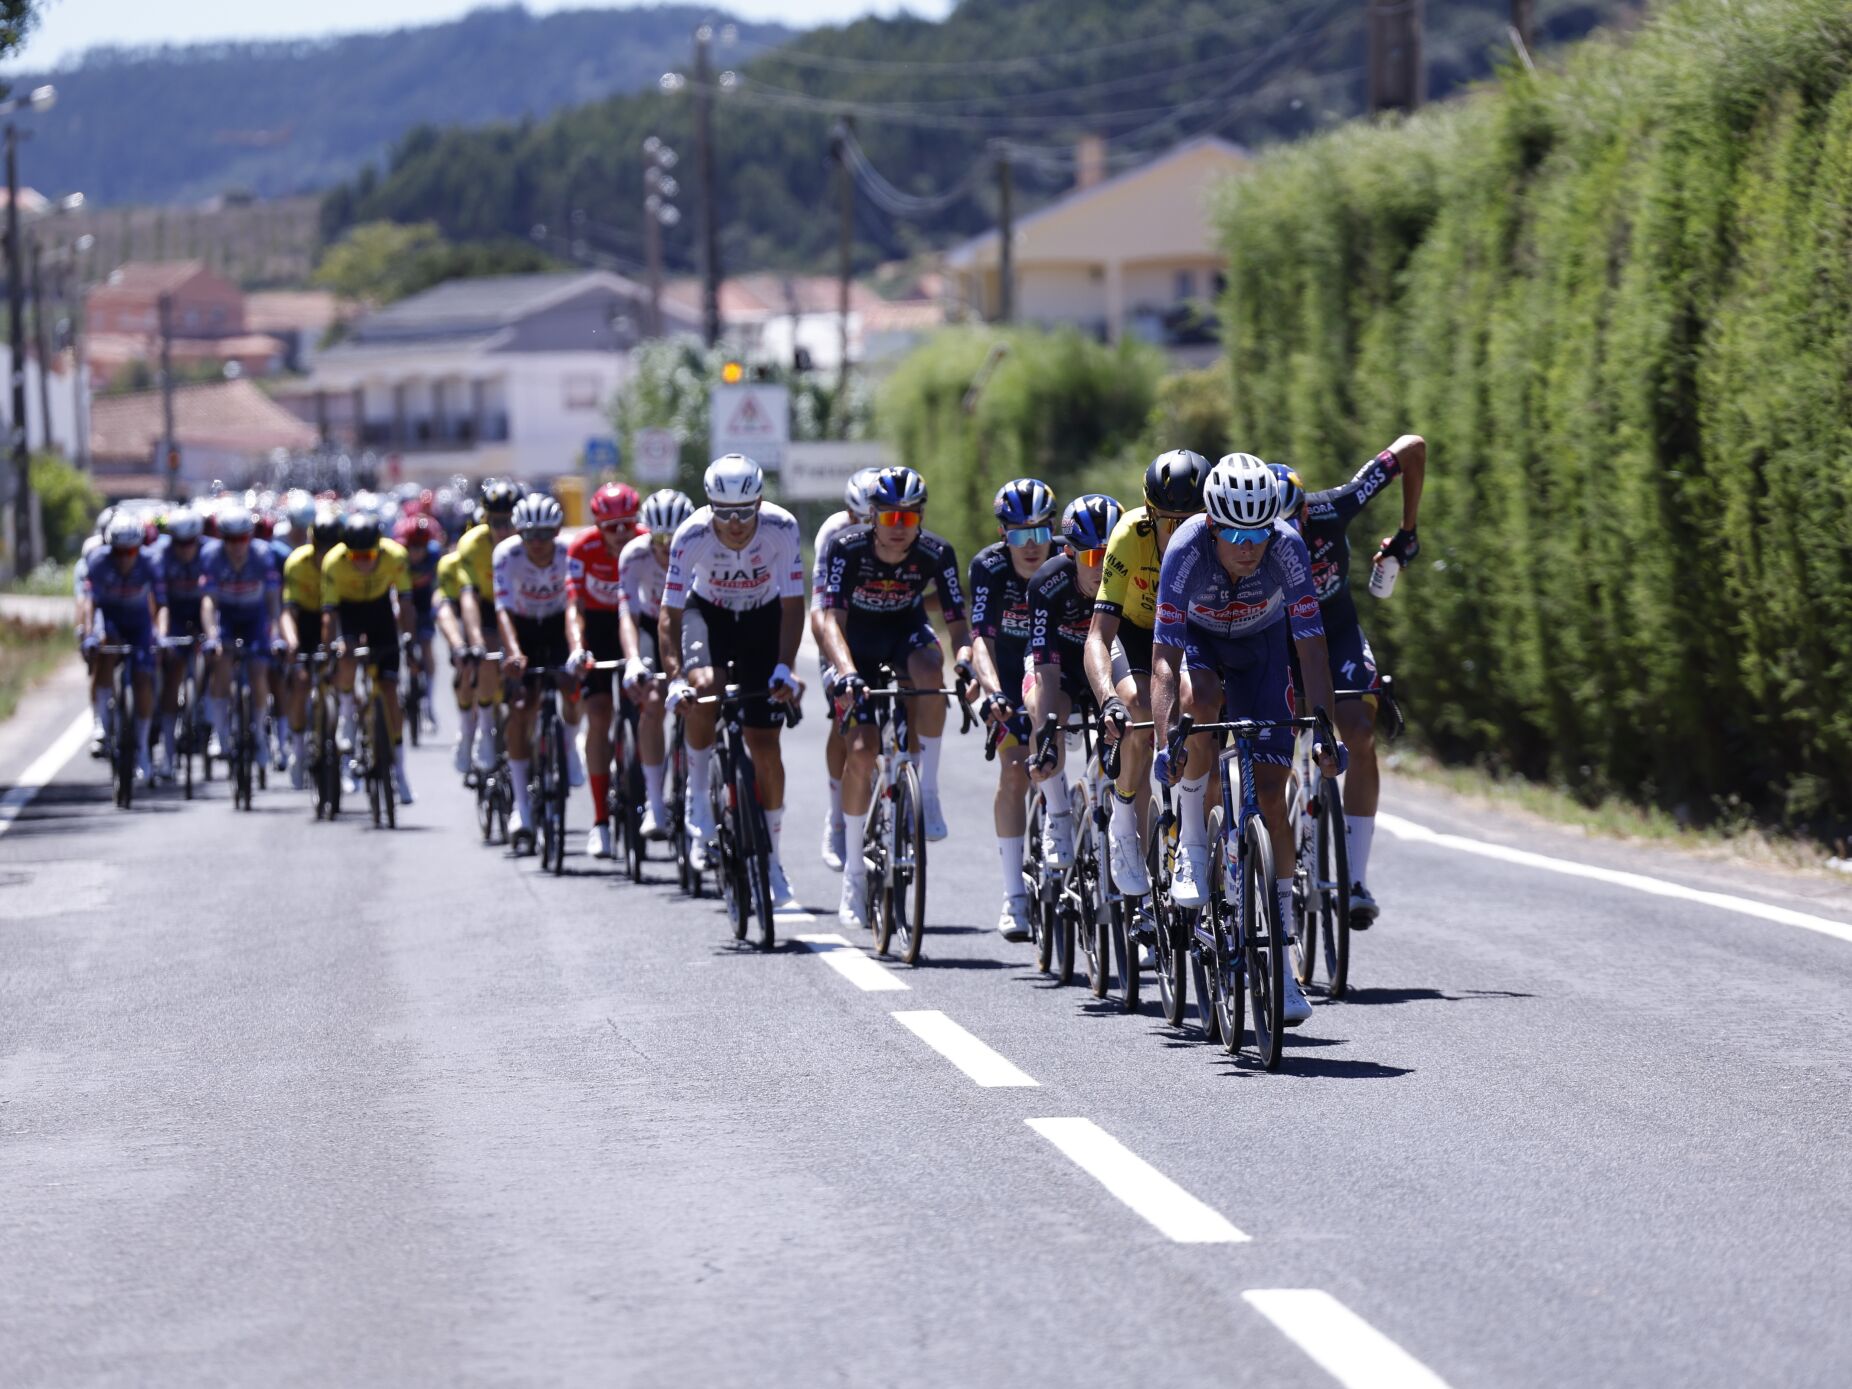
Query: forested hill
[188,122]
[928,99]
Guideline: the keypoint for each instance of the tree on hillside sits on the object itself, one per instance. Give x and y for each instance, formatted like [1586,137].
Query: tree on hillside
[378,262]
[16,20]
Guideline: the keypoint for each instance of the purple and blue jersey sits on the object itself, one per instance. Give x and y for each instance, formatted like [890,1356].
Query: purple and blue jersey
[249,585]
[182,581]
[1195,591]
[122,598]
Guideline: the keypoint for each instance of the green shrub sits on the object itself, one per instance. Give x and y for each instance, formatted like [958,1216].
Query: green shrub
[1617,300]
[68,504]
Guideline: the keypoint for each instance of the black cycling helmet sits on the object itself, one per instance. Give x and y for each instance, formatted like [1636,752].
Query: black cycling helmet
[1174,481]
[360,532]
[499,496]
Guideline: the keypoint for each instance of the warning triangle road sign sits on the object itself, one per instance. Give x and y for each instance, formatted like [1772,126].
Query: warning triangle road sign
[749,418]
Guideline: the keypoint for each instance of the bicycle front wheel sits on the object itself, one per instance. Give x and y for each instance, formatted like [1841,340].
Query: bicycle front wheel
[1169,924]
[561,793]
[1333,890]
[382,762]
[124,761]
[1095,925]
[1263,939]
[878,861]
[1035,875]
[907,865]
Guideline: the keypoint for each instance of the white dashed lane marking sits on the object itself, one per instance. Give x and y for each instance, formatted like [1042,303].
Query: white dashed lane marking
[43,768]
[963,1050]
[1176,1214]
[1340,1342]
[852,964]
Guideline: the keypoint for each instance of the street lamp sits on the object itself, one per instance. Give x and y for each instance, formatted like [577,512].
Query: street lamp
[659,186]
[41,344]
[38,99]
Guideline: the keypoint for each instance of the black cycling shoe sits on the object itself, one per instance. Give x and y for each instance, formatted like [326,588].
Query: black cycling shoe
[1363,908]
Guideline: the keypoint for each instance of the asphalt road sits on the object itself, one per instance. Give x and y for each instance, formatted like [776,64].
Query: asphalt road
[289,1103]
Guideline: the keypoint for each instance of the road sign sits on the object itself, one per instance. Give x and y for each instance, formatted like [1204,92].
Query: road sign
[752,419]
[600,454]
[816,472]
[658,452]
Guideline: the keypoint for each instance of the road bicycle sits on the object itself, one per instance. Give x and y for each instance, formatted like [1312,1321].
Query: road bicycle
[323,733]
[681,835]
[191,736]
[547,781]
[741,853]
[894,831]
[625,800]
[1067,905]
[494,788]
[122,751]
[414,698]
[372,758]
[244,762]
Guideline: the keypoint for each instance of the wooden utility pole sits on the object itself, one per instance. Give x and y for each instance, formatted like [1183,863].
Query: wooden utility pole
[41,342]
[1398,75]
[845,245]
[1006,238]
[16,327]
[168,446]
[704,164]
[1524,25]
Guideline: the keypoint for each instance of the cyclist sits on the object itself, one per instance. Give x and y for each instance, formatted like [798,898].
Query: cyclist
[874,605]
[1000,631]
[447,612]
[367,601]
[122,595]
[241,588]
[476,553]
[538,627]
[1323,518]
[734,567]
[835,750]
[1234,584]
[1061,598]
[1119,646]
[424,542]
[593,582]
[302,628]
[86,614]
[642,570]
[180,560]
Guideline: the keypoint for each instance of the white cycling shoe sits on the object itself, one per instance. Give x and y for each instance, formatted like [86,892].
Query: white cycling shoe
[1058,840]
[850,913]
[298,774]
[1013,923]
[402,786]
[655,822]
[598,841]
[1189,880]
[782,895]
[1295,1008]
[484,753]
[934,818]
[575,765]
[460,757]
[163,765]
[835,844]
[1128,865]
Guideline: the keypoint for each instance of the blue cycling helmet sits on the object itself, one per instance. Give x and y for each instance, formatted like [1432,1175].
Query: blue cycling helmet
[1026,501]
[1088,521]
[1292,491]
[897,489]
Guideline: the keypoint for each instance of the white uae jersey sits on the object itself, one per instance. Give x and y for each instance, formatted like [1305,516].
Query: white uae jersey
[769,568]
[524,588]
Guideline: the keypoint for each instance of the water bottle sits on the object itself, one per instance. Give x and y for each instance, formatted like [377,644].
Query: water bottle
[1382,576]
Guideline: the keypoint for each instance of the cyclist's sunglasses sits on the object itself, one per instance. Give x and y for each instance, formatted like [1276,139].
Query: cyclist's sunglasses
[897,518]
[1093,558]
[1161,518]
[621,523]
[735,513]
[1244,535]
[541,533]
[1025,535]
[367,556]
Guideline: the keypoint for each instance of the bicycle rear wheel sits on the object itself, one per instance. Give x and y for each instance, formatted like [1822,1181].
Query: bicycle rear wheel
[382,762]
[241,747]
[1168,955]
[1263,939]
[1223,967]
[1035,876]
[1125,944]
[728,868]
[556,802]
[906,895]
[1334,890]
[414,700]
[1095,922]
[184,719]
[878,856]
[123,764]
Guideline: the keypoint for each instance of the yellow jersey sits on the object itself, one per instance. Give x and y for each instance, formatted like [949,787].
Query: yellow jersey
[343,581]
[476,555]
[1129,582]
[450,576]
[302,579]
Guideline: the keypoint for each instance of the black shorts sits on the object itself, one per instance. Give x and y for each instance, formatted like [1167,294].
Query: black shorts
[1353,664]
[890,643]
[603,640]
[1073,678]
[1135,644]
[375,626]
[543,640]
[745,641]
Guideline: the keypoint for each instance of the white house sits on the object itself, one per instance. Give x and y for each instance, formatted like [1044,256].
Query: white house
[1115,256]
[508,374]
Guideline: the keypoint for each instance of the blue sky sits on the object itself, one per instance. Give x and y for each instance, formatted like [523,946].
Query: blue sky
[70,26]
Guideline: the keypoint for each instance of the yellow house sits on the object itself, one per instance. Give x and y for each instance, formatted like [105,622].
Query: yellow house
[1115,255]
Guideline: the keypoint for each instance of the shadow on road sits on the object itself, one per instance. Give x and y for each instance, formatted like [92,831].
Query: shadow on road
[1379,996]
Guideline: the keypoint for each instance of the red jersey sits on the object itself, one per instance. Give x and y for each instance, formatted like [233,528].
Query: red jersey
[591,573]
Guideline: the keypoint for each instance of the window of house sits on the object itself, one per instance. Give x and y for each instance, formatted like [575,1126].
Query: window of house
[1186,284]
[191,318]
[581,391]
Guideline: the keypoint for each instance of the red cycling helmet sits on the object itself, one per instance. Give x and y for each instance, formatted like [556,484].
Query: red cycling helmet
[265,527]
[615,501]
[415,532]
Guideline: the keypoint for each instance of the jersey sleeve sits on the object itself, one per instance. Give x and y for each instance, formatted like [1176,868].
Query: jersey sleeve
[825,533]
[675,582]
[790,572]
[273,575]
[838,564]
[1344,503]
[502,567]
[474,555]
[1045,593]
[951,591]
[157,582]
[575,572]
[983,599]
[1182,562]
[331,576]
[1116,576]
[401,573]
[1294,564]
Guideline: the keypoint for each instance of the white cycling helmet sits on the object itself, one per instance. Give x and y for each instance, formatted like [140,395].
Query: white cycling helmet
[235,521]
[855,493]
[538,512]
[125,532]
[1242,491]
[185,524]
[734,480]
[300,512]
[664,511]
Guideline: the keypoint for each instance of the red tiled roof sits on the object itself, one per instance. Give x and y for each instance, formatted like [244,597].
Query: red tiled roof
[153,277]
[232,415]
[287,310]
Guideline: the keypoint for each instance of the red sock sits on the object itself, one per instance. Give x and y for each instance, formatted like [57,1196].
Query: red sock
[601,790]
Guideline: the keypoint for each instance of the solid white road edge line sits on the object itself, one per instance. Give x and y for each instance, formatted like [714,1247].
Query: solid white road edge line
[1639,882]
[1176,1214]
[852,964]
[1343,1344]
[42,769]
[964,1051]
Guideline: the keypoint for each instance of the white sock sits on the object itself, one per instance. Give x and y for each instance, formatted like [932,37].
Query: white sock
[775,826]
[835,801]
[1191,829]
[398,757]
[1359,831]
[929,764]
[141,736]
[700,762]
[167,738]
[347,707]
[99,705]
[1124,816]
[517,773]
[652,786]
[1055,794]
[1009,851]
[466,724]
[298,742]
[852,866]
[1283,889]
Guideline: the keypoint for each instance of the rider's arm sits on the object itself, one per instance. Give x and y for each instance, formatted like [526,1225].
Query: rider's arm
[209,618]
[669,639]
[790,628]
[952,603]
[627,639]
[984,662]
[511,647]
[836,641]
[1098,655]
[1164,662]
[575,627]
[1315,666]
[472,615]
[1411,450]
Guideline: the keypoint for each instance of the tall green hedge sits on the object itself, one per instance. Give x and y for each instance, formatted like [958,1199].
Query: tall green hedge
[1617,300]
[1055,405]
